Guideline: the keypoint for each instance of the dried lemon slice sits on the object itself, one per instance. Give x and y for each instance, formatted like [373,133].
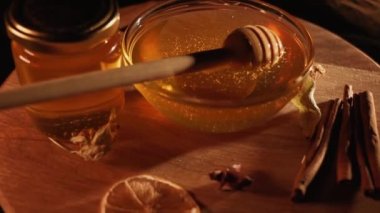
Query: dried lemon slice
[145,193]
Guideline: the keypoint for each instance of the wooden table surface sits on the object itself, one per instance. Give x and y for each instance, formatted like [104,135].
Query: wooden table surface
[37,176]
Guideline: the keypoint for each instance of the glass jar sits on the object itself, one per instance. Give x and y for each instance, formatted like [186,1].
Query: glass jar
[226,99]
[53,39]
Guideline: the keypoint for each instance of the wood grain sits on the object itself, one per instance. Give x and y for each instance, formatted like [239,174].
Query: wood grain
[37,176]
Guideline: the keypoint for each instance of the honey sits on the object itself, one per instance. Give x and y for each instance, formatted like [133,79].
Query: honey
[221,99]
[46,47]
[64,118]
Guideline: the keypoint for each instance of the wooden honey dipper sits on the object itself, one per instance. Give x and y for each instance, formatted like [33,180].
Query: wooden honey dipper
[256,45]
[265,47]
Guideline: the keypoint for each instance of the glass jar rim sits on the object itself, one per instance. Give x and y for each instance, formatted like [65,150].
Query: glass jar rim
[103,24]
[166,9]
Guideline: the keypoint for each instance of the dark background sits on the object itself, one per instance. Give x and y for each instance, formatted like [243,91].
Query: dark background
[315,11]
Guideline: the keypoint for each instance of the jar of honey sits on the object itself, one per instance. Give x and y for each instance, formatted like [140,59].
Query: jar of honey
[53,39]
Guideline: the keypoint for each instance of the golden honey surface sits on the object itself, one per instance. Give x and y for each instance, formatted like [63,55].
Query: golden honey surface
[268,89]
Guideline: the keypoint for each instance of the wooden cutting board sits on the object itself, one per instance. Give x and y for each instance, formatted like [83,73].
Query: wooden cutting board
[37,176]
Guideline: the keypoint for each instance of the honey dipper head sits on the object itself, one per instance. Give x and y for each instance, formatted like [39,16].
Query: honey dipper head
[257,44]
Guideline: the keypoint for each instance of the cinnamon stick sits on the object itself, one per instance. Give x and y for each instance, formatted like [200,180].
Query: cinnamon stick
[344,167]
[317,136]
[357,127]
[371,147]
[312,161]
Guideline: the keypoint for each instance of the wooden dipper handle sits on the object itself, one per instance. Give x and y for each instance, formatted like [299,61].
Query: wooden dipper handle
[242,46]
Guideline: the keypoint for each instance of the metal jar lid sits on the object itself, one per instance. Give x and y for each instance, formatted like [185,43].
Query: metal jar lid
[61,25]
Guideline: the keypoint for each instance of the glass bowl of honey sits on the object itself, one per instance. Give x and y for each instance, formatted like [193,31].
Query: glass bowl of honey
[224,98]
